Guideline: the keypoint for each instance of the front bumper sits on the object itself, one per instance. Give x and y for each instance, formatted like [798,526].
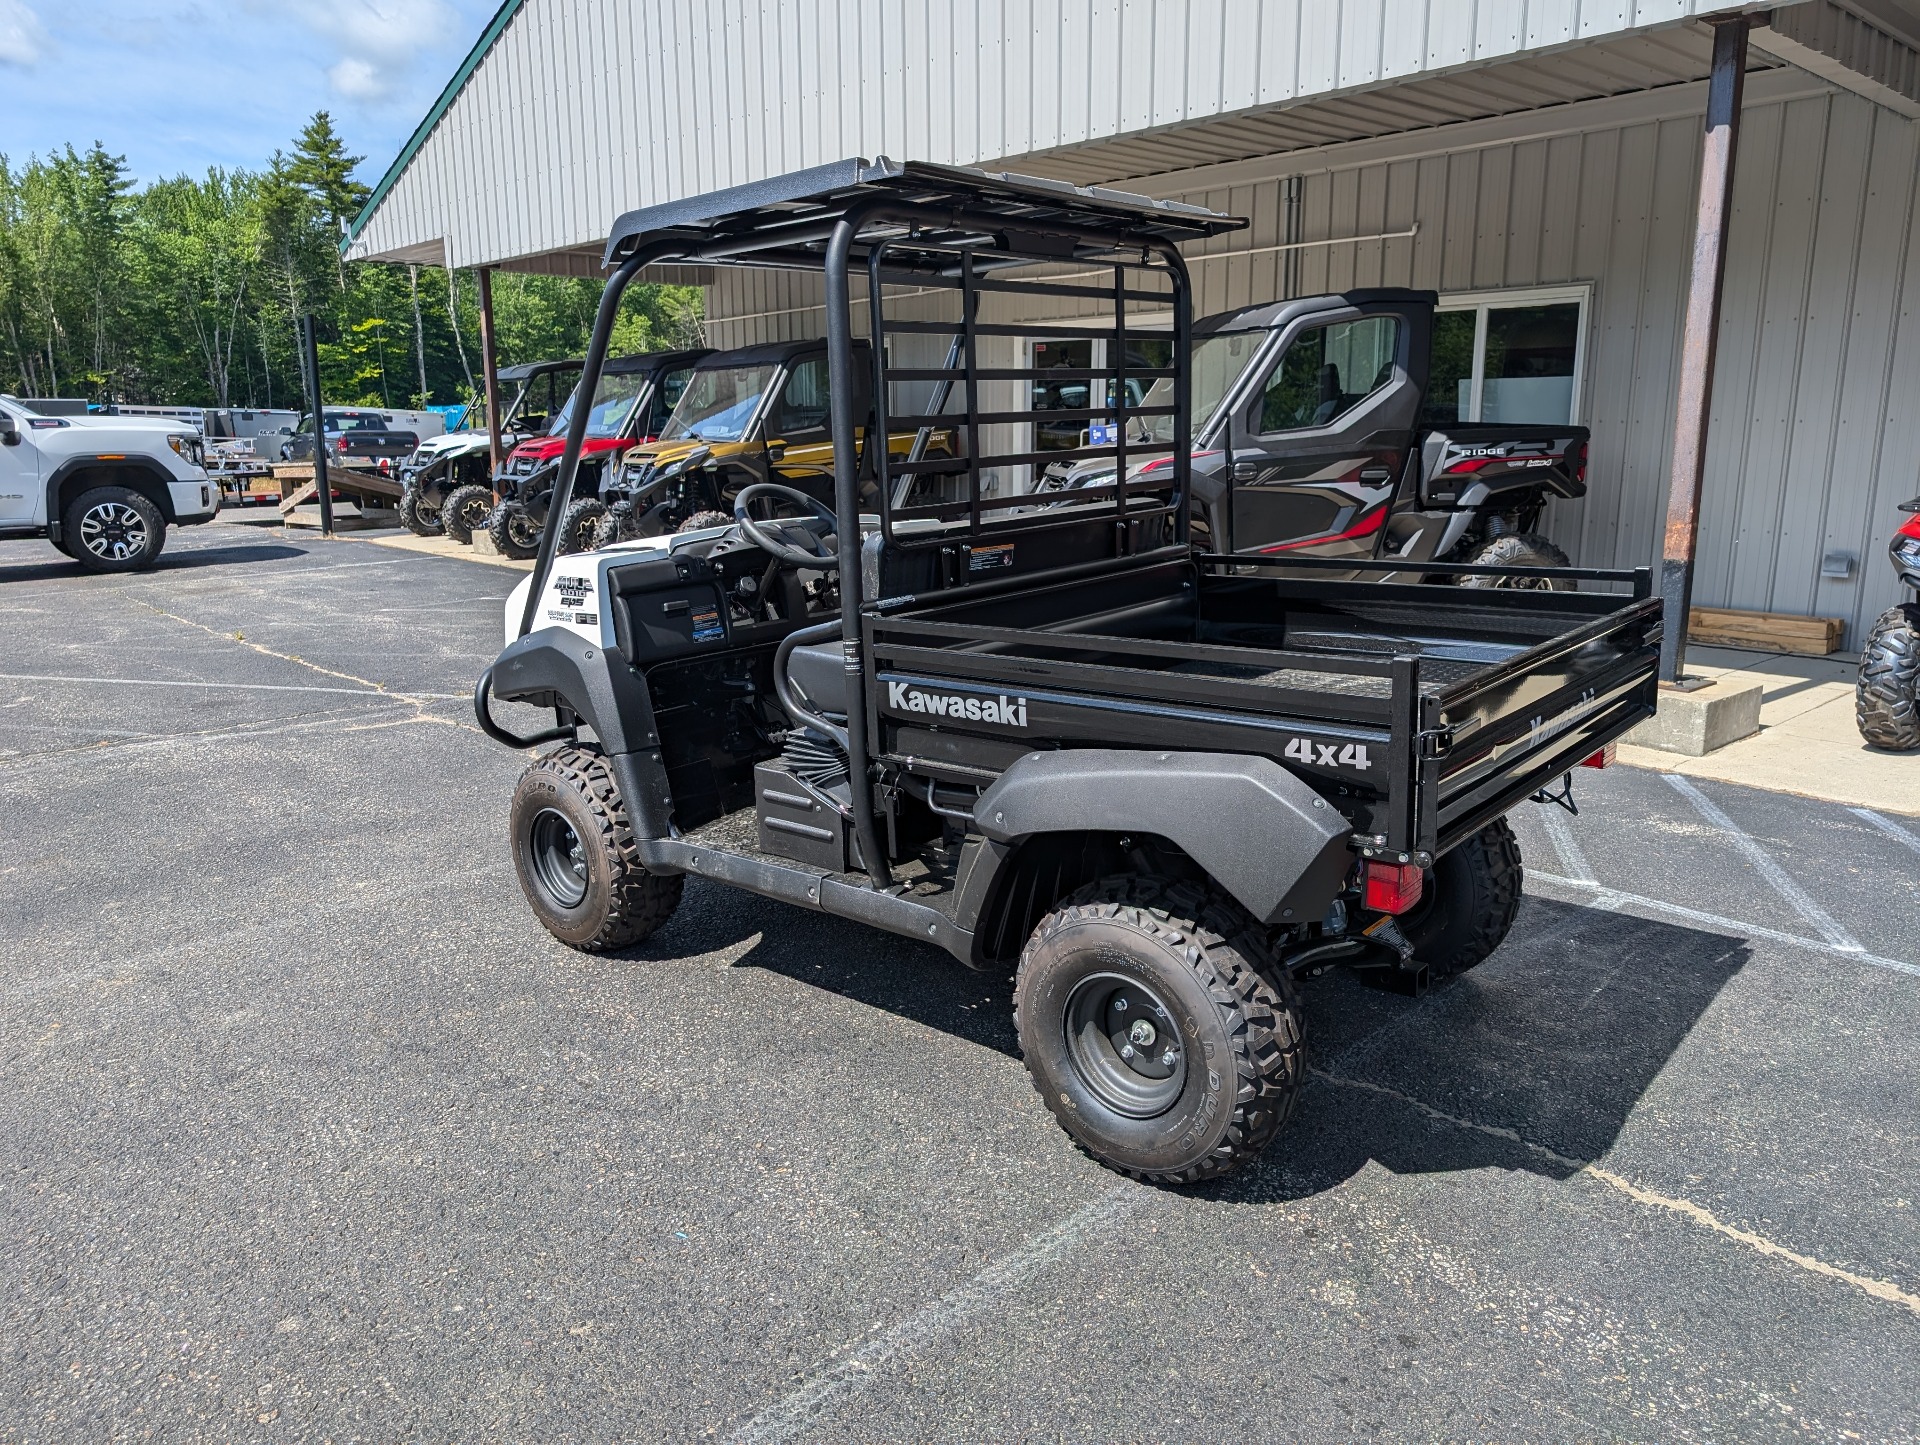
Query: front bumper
[194,502]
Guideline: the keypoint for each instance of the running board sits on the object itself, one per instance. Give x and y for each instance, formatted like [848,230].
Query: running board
[809,888]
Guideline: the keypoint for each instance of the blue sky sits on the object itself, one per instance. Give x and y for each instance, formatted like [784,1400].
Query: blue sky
[181,85]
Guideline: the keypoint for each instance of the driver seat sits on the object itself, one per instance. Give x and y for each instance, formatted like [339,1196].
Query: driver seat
[818,672]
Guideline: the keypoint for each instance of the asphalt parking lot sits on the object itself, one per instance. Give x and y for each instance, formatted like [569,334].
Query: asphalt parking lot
[309,1132]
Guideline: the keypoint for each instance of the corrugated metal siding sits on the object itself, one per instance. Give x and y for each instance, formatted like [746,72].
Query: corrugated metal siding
[585,108]
[1815,433]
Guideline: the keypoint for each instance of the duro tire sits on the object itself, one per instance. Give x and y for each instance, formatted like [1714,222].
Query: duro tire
[514,532]
[419,513]
[575,854]
[700,521]
[1519,549]
[466,511]
[112,529]
[1151,1033]
[1468,903]
[580,526]
[1886,699]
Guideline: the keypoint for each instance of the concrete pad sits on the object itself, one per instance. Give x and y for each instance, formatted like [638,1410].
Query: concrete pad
[1698,722]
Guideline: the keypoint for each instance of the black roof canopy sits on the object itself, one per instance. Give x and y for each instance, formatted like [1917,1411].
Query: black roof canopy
[786,220]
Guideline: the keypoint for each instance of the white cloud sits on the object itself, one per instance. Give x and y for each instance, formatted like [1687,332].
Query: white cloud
[22,37]
[379,41]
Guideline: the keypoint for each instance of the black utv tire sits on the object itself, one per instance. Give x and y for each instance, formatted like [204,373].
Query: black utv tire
[700,521]
[1175,968]
[113,529]
[1886,699]
[465,511]
[574,851]
[1468,903]
[514,532]
[1519,549]
[419,511]
[580,526]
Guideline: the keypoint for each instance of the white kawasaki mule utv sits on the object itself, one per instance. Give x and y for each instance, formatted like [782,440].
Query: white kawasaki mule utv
[1160,783]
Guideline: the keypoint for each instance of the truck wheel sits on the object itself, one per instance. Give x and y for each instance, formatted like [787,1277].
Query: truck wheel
[574,851]
[419,513]
[1886,700]
[1151,1033]
[465,511]
[1468,904]
[1519,549]
[580,526]
[112,529]
[700,521]
[515,534]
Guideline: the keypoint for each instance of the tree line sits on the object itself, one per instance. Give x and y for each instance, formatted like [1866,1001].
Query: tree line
[188,291]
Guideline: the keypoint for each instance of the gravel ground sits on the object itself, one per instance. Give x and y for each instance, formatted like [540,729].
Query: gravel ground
[308,1132]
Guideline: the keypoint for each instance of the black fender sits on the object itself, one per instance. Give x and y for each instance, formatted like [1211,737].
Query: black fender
[557,668]
[1263,835]
[137,474]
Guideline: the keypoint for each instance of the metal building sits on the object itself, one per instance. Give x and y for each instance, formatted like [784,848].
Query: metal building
[1538,162]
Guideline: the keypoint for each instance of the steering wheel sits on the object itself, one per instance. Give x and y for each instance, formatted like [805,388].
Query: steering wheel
[797,541]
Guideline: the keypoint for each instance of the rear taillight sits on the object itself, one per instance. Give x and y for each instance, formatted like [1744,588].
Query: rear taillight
[1392,887]
[1580,464]
[1472,464]
[1601,758]
[1911,527]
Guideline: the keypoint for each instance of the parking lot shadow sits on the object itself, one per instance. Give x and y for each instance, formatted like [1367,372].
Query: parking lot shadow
[55,566]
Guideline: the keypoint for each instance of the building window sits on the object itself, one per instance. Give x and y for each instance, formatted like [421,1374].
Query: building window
[1508,356]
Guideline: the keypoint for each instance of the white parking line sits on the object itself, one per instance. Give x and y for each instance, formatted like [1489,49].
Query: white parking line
[239,686]
[818,1397]
[1572,858]
[1598,895]
[1796,897]
[1886,825]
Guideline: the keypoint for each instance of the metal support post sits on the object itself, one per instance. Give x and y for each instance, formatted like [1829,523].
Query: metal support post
[1701,337]
[490,372]
[310,364]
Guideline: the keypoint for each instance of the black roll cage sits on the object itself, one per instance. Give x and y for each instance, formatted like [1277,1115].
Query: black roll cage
[934,227]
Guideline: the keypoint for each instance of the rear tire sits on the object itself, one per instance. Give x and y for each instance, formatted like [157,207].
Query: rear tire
[575,853]
[466,511]
[1519,549]
[514,532]
[1468,904]
[1886,699]
[113,529]
[419,513]
[1172,971]
[700,521]
[580,526]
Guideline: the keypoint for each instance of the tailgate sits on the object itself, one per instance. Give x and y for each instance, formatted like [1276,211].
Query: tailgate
[1497,737]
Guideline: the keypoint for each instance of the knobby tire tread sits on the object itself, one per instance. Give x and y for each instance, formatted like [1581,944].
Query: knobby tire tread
[641,901]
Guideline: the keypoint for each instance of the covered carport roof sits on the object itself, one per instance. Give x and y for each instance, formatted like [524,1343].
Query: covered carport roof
[567,113]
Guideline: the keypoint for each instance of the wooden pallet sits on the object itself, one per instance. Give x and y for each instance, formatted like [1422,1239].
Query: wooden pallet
[368,486]
[1766,631]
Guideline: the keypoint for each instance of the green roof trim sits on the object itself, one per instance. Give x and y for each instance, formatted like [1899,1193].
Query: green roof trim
[502,18]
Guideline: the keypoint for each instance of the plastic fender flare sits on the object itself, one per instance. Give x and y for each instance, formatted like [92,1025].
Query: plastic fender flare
[553,665]
[139,474]
[1263,835]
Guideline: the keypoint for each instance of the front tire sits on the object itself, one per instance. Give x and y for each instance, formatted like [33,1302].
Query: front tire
[574,851]
[580,526]
[1468,903]
[514,532]
[419,513]
[1886,699]
[113,529]
[1520,549]
[465,511]
[1151,1032]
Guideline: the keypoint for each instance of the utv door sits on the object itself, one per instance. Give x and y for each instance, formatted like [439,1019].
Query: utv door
[1322,444]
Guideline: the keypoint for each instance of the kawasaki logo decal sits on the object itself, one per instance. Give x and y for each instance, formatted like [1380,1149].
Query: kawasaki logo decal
[1004,710]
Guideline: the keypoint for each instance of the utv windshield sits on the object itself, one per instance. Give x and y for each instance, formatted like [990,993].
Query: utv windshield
[613,403]
[1217,364]
[718,404]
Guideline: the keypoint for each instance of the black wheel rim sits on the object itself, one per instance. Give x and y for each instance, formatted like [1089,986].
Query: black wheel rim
[113,530]
[559,860]
[522,530]
[1123,1044]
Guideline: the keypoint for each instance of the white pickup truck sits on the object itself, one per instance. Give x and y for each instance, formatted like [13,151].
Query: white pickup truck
[103,489]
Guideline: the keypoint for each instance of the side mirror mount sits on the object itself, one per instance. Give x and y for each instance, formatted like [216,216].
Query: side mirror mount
[776,451]
[9,430]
